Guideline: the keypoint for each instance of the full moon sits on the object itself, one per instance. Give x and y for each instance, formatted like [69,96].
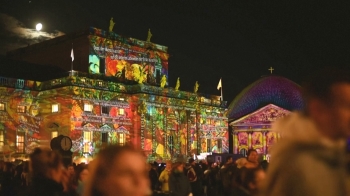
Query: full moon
[39,26]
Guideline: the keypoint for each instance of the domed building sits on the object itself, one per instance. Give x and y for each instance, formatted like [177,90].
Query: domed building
[251,113]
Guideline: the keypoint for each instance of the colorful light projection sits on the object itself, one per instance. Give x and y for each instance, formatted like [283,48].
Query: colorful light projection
[127,59]
[253,130]
[95,113]
[19,121]
[271,138]
[171,130]
[213,130]
[267,90]
[109,121]
[94,64]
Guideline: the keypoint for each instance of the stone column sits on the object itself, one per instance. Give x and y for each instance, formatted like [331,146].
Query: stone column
[153,131]
[250,139]
[235,142]
[264,141]
[166,132]
[188,125]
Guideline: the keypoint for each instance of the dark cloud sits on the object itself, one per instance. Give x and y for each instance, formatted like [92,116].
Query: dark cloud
[16,35]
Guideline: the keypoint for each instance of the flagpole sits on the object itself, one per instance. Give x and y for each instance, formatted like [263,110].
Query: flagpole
[72,62]
[222,98]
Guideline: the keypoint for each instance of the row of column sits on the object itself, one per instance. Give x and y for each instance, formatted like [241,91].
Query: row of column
[169,136]
[237,147]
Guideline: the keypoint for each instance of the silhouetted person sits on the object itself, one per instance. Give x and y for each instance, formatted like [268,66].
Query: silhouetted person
[310,158]
[250,182]
[8,186]
[47,169]
[179,184]
[153,176]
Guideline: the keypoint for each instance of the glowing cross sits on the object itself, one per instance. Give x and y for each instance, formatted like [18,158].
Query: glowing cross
[271,69]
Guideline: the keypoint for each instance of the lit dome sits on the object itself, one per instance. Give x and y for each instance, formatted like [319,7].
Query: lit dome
[272,89]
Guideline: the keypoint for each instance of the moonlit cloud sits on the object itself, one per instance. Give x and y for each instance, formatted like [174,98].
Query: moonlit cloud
[16,35]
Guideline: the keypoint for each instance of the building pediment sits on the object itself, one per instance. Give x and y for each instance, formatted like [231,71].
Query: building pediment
[122,129]
[262,117]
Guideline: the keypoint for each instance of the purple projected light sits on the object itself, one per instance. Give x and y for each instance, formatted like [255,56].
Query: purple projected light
[272,89]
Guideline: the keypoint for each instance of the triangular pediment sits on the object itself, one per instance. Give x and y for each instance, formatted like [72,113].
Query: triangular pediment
[105,128]
[263,116]
[122,129]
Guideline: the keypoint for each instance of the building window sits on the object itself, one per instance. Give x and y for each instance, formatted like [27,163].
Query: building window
[55,108]
[83,80]
[100,83]
[2,107]
[2,138]
[21,109]
[121,111]
[104,137]
[121,99]
[121,140]
[88,107]
[54,134]
[105,109]
[209,145]
[87,141]
[171,142]
[20,83]
[89,82]
[20,142]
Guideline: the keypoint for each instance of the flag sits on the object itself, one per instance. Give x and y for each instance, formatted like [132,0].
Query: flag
[219,85]
[72,55]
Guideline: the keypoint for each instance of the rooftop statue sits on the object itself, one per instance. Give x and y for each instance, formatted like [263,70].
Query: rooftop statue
[149,35]
[163,81]
[111,25]
[177,84]
[196,86]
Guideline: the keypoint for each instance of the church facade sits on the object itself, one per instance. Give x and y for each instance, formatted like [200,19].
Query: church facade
[253,111]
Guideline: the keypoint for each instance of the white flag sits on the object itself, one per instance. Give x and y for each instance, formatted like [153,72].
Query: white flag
[72,55]
[219,85]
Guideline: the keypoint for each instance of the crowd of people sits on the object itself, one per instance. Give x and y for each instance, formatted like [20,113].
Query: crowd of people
[311,159]
[122,170]
[117,170]
[234,177]
[43,175]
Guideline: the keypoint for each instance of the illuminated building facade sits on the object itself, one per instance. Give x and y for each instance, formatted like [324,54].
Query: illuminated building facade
[253,111]
[119,101]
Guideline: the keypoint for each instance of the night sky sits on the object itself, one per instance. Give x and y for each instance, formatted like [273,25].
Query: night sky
[235,40]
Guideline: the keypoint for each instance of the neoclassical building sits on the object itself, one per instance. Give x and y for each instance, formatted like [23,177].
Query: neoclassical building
[113,96]
[251,113]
